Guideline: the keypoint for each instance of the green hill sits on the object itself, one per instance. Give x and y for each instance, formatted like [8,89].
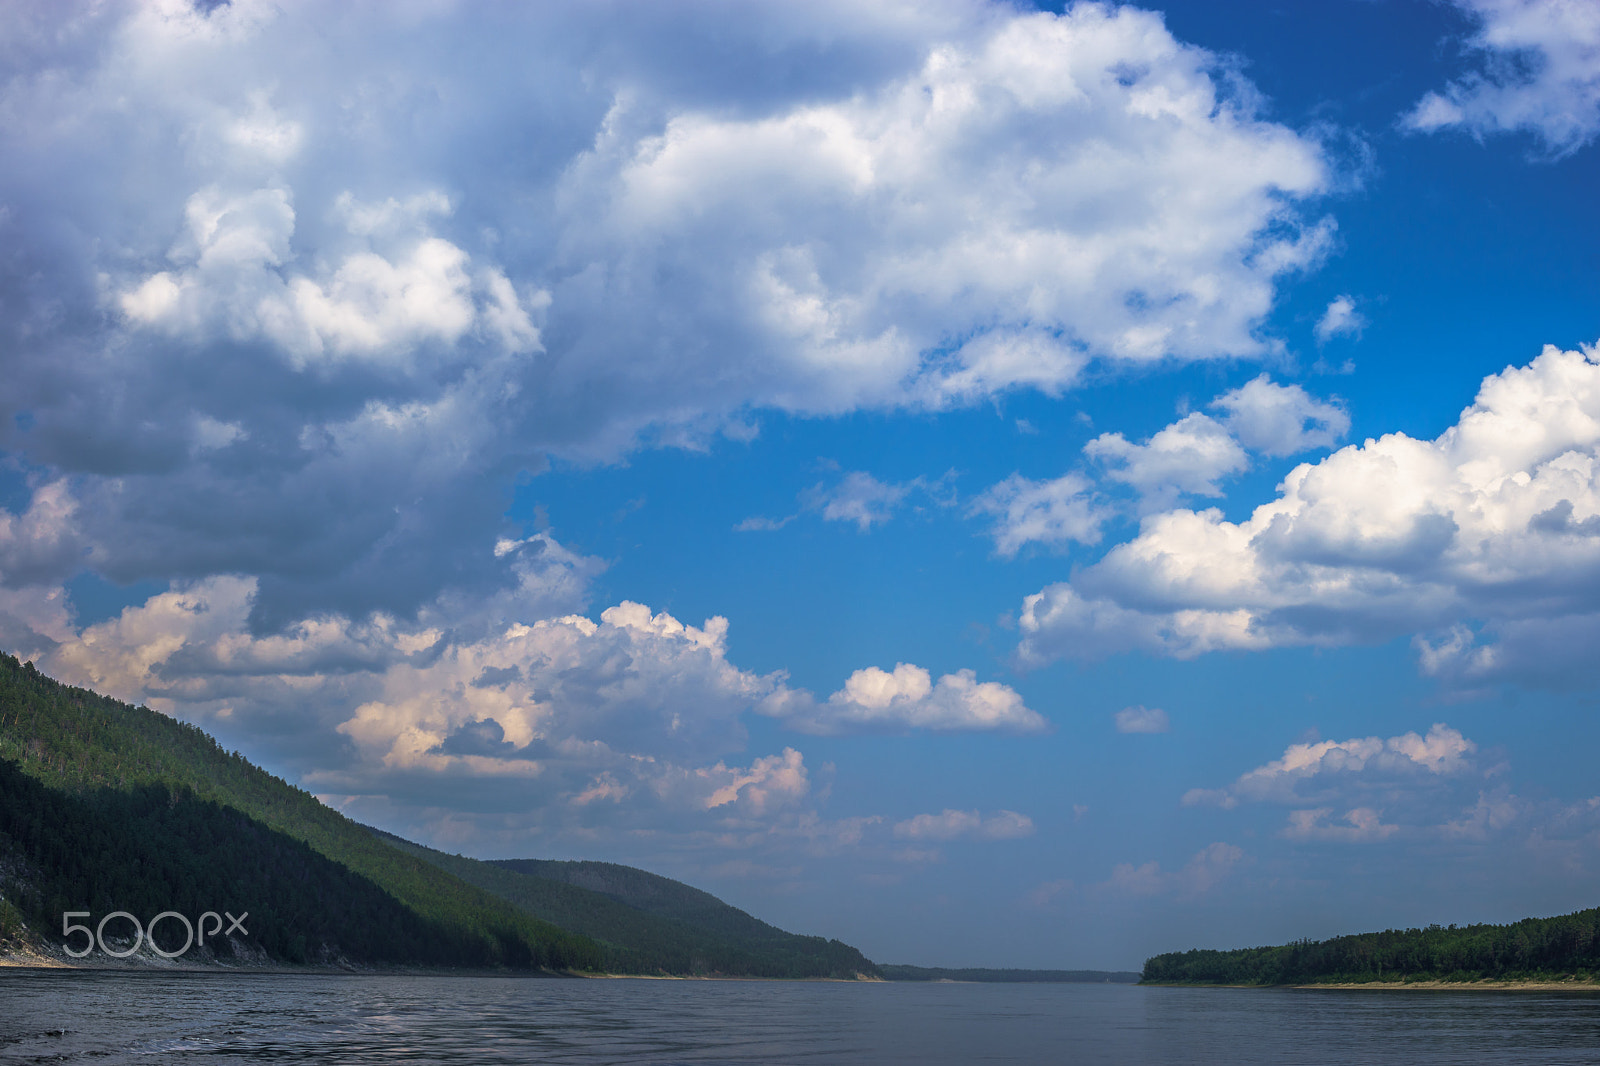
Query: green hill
[1534,949]
[94,760]
[152,848]
[105,806]
[651,924]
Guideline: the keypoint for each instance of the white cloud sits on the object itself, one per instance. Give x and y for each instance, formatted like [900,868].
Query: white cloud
[1540,73]
[1494,811]
[1145,879]
[955,825]
[1204,871]
[875,700]
[1189,456]
[1142,719]
[338,313]
[859,498]
[1308,769]
[1340,319]
[905,197]
[769,782]
[763,524]
[1209,867]
[1485,535]
[232,279]
[563,722]
[1039,512]
[43,540]
[1280,420]
[1361,825]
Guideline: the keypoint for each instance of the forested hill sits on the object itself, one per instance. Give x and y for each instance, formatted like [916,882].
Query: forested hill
[646,923]
[112,807]
[1534,949]
[690,907]
[107,807]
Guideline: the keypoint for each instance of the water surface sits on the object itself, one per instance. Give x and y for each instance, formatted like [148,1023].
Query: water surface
[220,1018]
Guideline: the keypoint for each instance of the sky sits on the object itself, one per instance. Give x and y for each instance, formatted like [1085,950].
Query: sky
[998,486]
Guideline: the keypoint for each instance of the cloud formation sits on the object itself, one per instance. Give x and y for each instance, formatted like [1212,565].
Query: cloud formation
[1540,73]
[1479,542]
[510,714]
[1204,871]
[1340,319]
[1050,512]
[1278,420]
[1410,787]
[955,825]
[1191,456]
[1188,457]
[1308,770]
[1142,719]
[874,700]
[308,330]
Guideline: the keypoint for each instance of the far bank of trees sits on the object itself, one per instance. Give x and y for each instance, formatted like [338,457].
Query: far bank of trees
[1532,949]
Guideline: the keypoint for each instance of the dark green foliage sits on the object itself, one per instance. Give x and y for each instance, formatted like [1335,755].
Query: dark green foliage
[652,924]
[11,920]
[80,744]
[988,976]
[147,850]
[1532,949]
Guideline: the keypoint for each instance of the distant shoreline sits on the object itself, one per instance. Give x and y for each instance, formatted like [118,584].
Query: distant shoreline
[13,962]
[1485,985]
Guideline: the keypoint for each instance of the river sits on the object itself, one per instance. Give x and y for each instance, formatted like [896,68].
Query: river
[218,1018]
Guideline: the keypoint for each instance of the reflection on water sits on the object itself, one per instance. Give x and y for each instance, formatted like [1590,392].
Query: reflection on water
[216,1018]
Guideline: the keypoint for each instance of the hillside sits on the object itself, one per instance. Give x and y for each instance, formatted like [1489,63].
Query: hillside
[94,760]
[1534,949]
[105,806]
[651,924]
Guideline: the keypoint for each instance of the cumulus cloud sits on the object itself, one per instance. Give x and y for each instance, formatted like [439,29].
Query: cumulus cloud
[482,718]
[1369,789]
[1188,457]
[1308,769]
[1193,454]
[1340,319]
[43,541]
[875,700]
[564,721]
[1540,73]
[1142,719]
[956,825]
[1050,512]
[1279,420]
[1475,541]
[307,330]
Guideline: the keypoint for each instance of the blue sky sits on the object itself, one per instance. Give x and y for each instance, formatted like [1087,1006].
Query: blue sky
[996,486]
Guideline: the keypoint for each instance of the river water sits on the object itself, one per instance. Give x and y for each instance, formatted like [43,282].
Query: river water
[217,1018]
